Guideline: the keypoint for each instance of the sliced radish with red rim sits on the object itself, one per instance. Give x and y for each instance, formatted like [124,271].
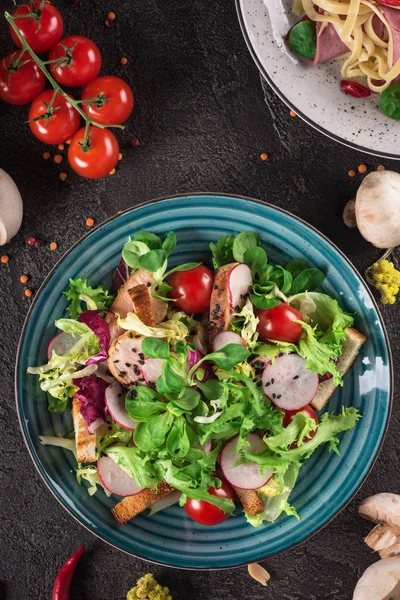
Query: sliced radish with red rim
[288,383]
[115,479]
[225,338]
[61,344]
[239,282]
[248,475]
[115,401]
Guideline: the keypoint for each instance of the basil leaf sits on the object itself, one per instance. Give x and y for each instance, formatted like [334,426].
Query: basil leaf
[178,444]
[175,410]
[169,243]
[188,399]
[155,348]
[243,242]
[229,356]
[152,241]
[296,266]
[222,251]
[303,39]
[257,260]
[144,440]
[282,278]
[168,382]
[132,251]
[184,267]
[265,288]
[153,260]
[159,425]
[264,303]
[389,102]
[142,403]
[308,281]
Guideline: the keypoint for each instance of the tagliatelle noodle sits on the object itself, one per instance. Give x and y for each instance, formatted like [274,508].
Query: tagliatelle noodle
[369,54]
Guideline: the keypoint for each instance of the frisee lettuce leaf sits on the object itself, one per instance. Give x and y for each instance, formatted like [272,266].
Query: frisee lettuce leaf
[80,291]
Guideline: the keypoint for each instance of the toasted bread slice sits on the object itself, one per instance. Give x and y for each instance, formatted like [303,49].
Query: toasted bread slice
[251,501]
[351,348]
[123,302]
[131,506]
[141,300]
[220,310]
[85,441]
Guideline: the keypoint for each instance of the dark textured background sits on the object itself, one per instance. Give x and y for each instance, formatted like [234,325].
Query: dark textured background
[202,120]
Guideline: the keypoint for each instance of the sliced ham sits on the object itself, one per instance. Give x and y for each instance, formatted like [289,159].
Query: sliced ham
[393,17]
[135,296]
[329,44]
[126,360]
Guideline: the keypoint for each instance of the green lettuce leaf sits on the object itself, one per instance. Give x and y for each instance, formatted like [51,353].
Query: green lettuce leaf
[80,291]
[137,464]
[320,357]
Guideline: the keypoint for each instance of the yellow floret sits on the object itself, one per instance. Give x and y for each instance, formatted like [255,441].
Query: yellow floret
[386,278]
[147,588]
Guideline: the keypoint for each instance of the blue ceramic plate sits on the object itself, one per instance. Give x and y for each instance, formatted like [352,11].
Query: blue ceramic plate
[326,481]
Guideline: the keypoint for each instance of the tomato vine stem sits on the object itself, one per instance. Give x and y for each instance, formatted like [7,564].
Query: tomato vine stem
[57,88]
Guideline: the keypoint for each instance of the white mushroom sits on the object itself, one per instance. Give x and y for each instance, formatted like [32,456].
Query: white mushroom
[377,209]
[383,509]
[381,581]
[10,208]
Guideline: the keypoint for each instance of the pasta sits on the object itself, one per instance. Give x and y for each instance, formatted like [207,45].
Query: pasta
[366,29]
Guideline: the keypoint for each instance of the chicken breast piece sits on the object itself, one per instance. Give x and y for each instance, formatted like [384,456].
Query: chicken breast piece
[220,310]
[125,359]
[85,442]
[142,301]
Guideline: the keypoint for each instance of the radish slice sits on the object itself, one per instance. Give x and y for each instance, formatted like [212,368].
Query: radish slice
[247,476]
[225,338]
[115,479]
[60,343]
[199,340]
[288,383]
[164,502]
[239,282]
[152,369]
[115,401]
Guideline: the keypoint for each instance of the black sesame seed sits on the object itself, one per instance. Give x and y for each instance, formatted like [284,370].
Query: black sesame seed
[215,287]
[134,350]
[136,370]
[296,377]
[273,396]
[141,355]
[122,373]
[148,284]
[280,354]
[267,384]
[115,361]
[131,334]
[141,362]
[120,394]
[272,380]
[128,364]
[237,308]
[279,396]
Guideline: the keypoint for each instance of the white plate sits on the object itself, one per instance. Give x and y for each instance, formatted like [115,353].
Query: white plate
[313,92]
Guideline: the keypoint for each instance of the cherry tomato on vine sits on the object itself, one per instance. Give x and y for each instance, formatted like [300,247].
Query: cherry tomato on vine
[58,124]
[204,512]
[309,412]
[79,61]
[114,100]
[42,27]
[21,80]
[352,88]
[277,324]
[192,289]
[96,156]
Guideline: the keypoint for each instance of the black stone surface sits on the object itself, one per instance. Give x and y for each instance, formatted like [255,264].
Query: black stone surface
[202,120]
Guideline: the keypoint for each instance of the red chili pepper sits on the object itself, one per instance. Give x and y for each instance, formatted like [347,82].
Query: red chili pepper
[352,88]
[63,580]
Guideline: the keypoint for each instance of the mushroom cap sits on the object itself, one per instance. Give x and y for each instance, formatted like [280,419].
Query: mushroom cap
[378,209]
[382,508]
[10,208]
[380,581]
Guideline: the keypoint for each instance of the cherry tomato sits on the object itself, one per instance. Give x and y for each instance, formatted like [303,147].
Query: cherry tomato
[352,88]
[309,412]
[41,28]
[277,324]
[114,100]
[97,157]
[21,80]
[80,61]
[192,289]
[204,512]
[57,127]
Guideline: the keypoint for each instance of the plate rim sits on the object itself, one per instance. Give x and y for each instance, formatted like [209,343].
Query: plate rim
[290,105]
[42,471]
